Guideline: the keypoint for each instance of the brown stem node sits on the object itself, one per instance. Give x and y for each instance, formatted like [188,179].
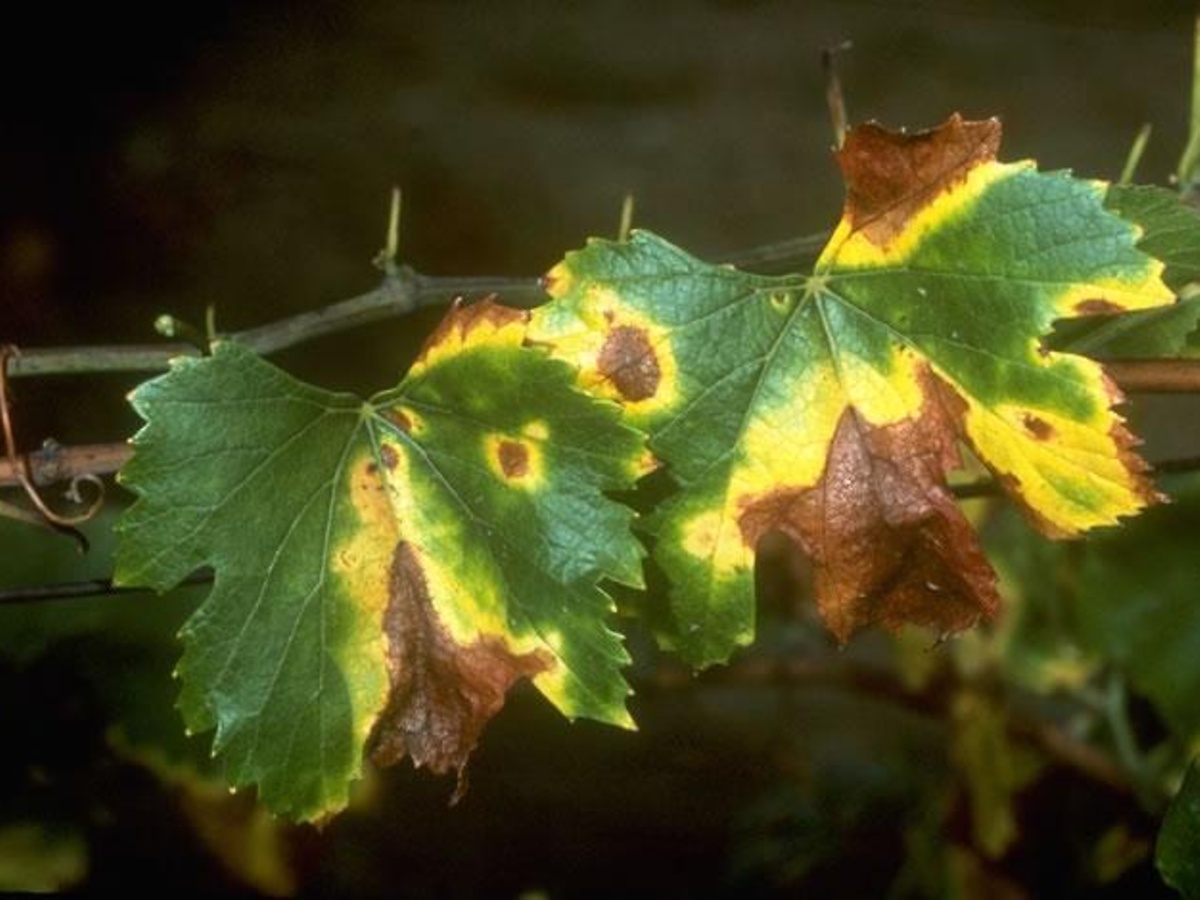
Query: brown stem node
[20,467]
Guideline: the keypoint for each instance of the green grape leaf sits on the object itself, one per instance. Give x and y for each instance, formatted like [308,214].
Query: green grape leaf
[829,406]
[1170,232]
[384,570]
[1177,852]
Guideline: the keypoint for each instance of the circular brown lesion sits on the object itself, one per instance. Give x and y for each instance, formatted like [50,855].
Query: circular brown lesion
[513,457]
[399,418]
[1037,427]
[389,457]
[629,362]
[1096,306]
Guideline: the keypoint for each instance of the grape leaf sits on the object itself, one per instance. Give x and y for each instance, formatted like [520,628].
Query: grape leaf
[384,570]
[1171,233]
[830,406]
[1177,852]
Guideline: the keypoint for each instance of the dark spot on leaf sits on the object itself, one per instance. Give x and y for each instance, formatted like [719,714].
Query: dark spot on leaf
[399,419]
[628,360]
[464,319]
[891,176]
[1038,427]
[442,693]
[881,527]
[514,459]
[387,453]
[1096,307]
[372,468]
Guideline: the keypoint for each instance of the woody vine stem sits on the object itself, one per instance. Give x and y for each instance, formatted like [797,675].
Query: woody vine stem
[401,292]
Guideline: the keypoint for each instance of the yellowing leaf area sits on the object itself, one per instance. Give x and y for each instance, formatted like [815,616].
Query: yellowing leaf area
[830,406]
[386,570]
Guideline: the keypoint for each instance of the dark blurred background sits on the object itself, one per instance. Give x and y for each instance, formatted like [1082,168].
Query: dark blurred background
[241,154]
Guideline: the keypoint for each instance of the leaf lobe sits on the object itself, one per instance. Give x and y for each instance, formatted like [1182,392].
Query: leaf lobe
[891,176]
[442,693]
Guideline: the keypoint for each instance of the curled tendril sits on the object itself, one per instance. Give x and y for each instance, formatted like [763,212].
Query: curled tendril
[76,496]
[20,465]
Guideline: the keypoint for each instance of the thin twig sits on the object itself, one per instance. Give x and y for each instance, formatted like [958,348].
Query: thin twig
[399,294]
[1089,761]
[388,259]
[781,251]
[834,98]
[66,590]
[1136,150]
[1177,466]
[54,463]
[626,223]
[1156,376]
[990,487]
[1185,174]
[403,291]
[80,590]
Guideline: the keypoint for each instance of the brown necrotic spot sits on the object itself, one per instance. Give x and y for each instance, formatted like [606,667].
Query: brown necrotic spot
[463,319]
[881,527]
[387,454]
[1097,307]
[399,419]
[1039,428]
[442,693]
[891,176]
[513,457]
[627,359]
